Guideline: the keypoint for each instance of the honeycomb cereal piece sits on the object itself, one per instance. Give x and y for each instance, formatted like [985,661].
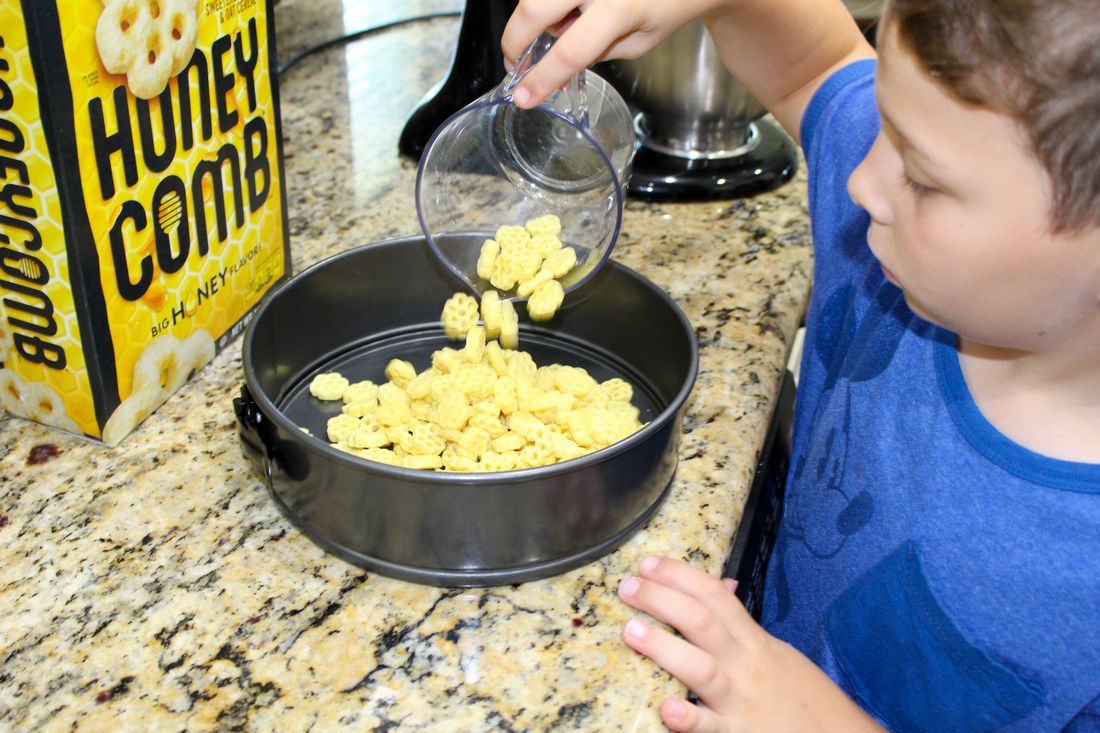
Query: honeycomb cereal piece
[422,462]
[545,301]
[390,394]
[131,411]
[162,367]
[381,455]
[362,391]
[368,436]
[446,360]
[559,263]
[459,315]
[452,436]
[505,394]
[575,381]
[529,262]
[160,370]
[340,427]
[527,425]
[545,224]
[196,350]
[400,372]
[509,441]
[486,407]
[475,381]
[521,366]
[596,398]
[489,251]
[579,425]
[525,288]
[489,423]
[47,407]
[491,313]
[494,461]
[36,401]
[604,429]
[459,463]
[452,410]
[533,399]
[393,414]
[475,344]
[493,357]
[545,376]
[149,41]
[617,388]
[396,434]
[507,269]
[423,441]
[440,386]
[512,238]
[474,440]
[422,409]
[509,326]
[328,386]
[545,244]
[360,409]
[565,448]
[624,411]
[421,385]
[537,454]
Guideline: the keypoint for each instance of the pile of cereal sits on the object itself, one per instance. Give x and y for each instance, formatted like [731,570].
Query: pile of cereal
[531,259]
[484,407]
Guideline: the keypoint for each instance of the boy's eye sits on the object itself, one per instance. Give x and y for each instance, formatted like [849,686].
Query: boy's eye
[918,189]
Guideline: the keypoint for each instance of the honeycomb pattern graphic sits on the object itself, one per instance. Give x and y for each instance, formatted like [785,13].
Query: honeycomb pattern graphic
[71,384]
[209,292]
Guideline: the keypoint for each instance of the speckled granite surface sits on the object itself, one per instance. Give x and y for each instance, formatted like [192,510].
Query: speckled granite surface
[157,587]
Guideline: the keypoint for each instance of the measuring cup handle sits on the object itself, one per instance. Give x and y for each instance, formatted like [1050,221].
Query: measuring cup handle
[575,92]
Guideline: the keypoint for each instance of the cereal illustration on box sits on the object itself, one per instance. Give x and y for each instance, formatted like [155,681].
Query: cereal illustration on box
[142,209]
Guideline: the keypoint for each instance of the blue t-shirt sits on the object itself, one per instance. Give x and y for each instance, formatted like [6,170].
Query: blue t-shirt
[945,577]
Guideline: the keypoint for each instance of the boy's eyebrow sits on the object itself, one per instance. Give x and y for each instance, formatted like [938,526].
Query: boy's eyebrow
[906,141]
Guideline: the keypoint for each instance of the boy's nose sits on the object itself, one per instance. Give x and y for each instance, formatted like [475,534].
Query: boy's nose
[868,189]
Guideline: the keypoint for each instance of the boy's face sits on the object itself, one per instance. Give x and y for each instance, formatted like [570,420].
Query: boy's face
[960,217]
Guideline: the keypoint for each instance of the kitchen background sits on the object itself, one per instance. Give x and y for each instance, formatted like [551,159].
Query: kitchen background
[155,586]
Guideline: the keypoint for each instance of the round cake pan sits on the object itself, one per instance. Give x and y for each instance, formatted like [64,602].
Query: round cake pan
[354,312]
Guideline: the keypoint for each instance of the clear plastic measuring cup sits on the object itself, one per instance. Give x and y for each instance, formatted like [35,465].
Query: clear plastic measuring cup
[493,164]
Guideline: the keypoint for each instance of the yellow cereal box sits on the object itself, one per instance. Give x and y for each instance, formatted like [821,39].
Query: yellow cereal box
[142,206]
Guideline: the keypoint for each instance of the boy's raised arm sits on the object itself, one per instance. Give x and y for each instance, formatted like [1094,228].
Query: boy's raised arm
[780,50]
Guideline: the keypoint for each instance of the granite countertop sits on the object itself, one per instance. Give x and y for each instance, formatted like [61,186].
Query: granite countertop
[156,586]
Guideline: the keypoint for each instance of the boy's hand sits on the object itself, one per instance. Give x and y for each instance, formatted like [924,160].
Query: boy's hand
[604,29]
[780,51]
[746,679]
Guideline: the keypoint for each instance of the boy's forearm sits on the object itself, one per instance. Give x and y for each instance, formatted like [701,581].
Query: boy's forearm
[781,50]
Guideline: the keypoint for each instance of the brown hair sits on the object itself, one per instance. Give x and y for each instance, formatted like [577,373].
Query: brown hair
[1035,60]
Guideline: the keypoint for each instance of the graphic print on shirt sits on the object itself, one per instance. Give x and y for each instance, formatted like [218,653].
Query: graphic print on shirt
[823,513]
[906,661]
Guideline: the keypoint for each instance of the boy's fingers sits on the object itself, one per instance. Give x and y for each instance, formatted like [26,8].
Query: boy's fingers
[529,20]
[698,670]
[698,624]
[708,590]
[683,717]
[585,41]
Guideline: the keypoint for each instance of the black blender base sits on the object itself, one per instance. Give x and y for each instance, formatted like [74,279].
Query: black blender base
[661,177]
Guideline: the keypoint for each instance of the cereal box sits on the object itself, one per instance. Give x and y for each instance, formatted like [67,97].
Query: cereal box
[142,207]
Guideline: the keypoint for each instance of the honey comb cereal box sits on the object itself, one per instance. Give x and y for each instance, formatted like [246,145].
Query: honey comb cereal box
[142,202]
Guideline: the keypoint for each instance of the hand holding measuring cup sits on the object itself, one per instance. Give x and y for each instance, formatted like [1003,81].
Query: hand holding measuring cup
[493,164]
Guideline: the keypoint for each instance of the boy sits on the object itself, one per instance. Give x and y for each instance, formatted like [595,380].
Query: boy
[937,567]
